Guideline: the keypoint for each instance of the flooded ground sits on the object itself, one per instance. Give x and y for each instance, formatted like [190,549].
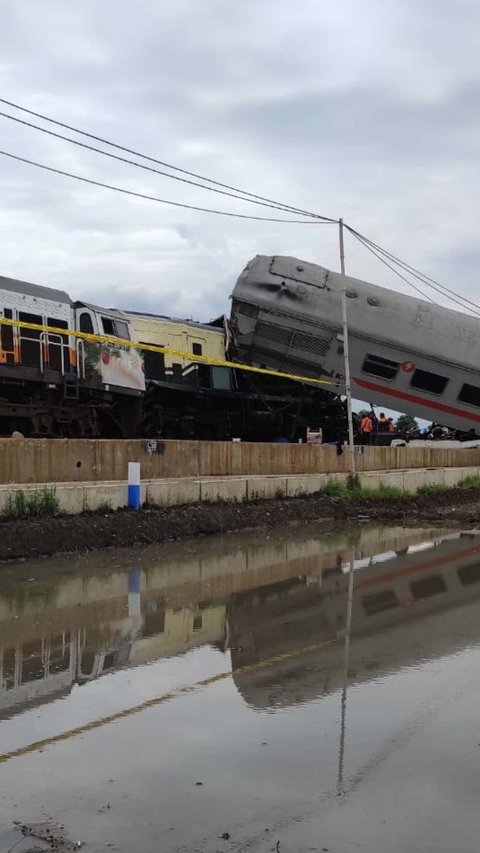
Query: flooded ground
[289,691]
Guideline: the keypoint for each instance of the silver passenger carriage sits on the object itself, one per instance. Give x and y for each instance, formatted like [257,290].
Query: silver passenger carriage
[405,353]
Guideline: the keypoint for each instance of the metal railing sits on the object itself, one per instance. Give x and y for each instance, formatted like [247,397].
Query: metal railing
[80,350]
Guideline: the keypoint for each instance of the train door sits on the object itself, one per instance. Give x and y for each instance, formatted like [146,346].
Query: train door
[58,351]
[202,372]
[86,321]
[30,342]
[7,341]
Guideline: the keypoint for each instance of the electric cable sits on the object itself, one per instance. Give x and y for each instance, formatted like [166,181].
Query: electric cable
[444,291]
[155,198]
[383,261]
[163,163]
[146,168]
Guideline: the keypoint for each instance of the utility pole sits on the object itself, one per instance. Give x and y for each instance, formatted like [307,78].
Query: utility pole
[346,360]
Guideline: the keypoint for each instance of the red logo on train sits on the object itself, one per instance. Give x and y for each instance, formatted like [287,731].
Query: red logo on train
[408,366]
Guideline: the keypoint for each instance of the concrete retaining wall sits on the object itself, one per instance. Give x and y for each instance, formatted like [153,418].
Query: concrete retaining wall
[78,497]
[70,461]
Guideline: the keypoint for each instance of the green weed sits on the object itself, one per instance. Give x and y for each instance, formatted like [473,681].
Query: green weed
[470,482]
[353,483]
[335,489]
[33,504]
[431,489]
[382,492]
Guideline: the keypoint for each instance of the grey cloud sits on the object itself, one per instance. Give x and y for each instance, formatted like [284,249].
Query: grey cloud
[368,110]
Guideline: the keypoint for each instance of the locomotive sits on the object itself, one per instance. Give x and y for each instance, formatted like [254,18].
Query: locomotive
[55,384]
[405,353]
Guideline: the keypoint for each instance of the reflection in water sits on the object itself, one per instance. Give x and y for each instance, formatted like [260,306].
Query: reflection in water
[291,598]
[346,661]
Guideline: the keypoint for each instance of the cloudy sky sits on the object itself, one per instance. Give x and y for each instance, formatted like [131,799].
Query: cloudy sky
[366,109]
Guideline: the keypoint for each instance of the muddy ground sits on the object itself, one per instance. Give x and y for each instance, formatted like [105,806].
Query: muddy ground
[90,531]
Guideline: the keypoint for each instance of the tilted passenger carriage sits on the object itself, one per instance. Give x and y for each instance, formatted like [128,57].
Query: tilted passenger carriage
[405,353]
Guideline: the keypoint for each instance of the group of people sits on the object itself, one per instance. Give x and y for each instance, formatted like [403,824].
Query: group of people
[370,425]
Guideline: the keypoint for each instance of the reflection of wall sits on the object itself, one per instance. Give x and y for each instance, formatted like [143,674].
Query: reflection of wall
[72,628]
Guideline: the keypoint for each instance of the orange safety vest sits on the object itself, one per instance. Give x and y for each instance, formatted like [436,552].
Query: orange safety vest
[366,424]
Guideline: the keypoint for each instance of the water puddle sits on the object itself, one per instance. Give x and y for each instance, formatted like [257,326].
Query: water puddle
[227,694]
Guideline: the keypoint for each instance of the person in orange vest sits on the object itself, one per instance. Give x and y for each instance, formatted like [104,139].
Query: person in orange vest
[366,428]
[383,423]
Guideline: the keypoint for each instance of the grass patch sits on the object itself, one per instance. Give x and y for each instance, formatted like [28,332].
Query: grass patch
[431,489]
[470,482]
[335,489]
[352,489]
[33,504]
[381,492]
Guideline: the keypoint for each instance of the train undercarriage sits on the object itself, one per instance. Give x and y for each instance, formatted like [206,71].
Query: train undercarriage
[64,407]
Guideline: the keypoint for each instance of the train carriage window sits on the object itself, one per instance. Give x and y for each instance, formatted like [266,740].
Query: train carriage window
[197,349]
[470,394]
[121,330]
[379,366]
[86,324]
[469,574]
[108,326]
[378,602]
[426,381]
[222,378]
[426,587]
[117,328]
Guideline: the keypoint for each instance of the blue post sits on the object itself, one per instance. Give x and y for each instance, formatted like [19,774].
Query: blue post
[134,485]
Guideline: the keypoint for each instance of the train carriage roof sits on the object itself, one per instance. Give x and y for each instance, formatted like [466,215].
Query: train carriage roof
[216,325]
[38,290]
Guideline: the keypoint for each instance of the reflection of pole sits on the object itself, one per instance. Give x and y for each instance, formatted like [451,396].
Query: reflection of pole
[346,660]
[346,359]
[134,592]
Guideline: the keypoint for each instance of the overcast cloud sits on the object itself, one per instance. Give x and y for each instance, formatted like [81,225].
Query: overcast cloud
[368,109]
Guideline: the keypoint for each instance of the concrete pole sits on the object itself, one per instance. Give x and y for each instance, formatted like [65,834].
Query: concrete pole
[346,360]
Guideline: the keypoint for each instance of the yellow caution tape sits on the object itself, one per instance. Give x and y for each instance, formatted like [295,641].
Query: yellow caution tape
[202,359]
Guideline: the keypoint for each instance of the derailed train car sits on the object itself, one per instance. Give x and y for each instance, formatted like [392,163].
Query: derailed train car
[405,353]
[55,384]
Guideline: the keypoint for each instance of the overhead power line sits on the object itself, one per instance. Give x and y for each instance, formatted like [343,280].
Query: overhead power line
[385,256]
[259,198]
[150,168]
[383,261]
[155,198]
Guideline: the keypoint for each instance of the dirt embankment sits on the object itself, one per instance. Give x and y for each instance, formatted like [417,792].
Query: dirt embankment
[45,536]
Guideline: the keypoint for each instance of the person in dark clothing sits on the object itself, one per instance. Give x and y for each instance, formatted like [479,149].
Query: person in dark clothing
[383,423]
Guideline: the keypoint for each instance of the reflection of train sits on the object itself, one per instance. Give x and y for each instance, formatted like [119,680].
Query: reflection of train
[54,384]
[401,595]
[404,353]
[256,601]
